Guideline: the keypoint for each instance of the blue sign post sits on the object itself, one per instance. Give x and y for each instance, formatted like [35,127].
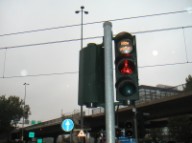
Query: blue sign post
[67,125]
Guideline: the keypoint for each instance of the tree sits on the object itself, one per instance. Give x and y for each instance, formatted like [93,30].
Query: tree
[11,109]
[180,128]
[188,86]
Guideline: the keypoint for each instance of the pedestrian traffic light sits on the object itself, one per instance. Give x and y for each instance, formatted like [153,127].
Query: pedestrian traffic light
[91,76]
[126,67]
[118,132]
[129,129]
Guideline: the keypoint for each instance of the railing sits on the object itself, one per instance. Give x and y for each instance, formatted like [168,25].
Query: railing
[148,93]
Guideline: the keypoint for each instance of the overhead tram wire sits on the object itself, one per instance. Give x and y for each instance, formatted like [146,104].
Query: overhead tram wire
[54,42]
[42,74]
[38,30]
[96,37]
[164,29]
[76,72]
[162,65]
[68,26]
[71,40]
[47,43]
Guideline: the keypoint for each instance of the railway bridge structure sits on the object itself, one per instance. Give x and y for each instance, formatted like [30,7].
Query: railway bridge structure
[158,103]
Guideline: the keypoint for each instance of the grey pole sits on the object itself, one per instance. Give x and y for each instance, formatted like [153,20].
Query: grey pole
[135,122]
[109,94]
[82,12]
[25,84]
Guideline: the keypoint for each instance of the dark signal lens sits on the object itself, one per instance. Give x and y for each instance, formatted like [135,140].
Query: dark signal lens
[129,125]
[129,133]
[126,67]
[127,88]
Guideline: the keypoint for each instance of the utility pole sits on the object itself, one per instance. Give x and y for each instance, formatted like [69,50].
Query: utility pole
[82,12]
[25,84]
[109,94]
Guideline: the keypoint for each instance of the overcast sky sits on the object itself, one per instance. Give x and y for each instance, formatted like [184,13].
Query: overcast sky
[164,45]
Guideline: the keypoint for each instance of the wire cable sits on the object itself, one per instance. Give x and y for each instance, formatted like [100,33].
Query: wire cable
[88,38]
[71,40]
[76,72]
[68,26]
[171,64]
[42,74]
[38,30]
[47,43]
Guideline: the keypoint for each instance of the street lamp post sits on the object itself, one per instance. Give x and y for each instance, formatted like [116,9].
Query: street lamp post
[82,12]
[25,84]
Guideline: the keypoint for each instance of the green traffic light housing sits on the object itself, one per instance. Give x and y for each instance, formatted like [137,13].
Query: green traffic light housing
[129,128]
[91,76]
[118,132]
[126,67]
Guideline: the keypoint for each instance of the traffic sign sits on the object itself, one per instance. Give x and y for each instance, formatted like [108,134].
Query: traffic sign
[123,139]
[81,134]
[31,134]
[39,140]
[67,125]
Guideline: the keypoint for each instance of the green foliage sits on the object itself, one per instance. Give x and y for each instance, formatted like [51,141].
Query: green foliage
[180,128]
[11,109]
[188,86]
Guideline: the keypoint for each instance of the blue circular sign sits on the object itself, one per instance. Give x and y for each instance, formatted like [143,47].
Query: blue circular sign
[67,125]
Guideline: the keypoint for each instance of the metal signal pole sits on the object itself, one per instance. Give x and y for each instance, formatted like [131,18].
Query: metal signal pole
[25,84]
[109,94]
